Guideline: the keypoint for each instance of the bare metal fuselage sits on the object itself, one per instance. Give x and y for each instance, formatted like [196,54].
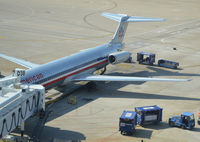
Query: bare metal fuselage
[62,71]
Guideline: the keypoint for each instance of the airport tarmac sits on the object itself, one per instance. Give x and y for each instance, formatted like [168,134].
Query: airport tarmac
[42,31]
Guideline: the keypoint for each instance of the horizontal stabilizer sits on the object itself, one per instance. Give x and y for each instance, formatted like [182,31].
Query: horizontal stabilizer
[19,61]
[118,17]
[123,24]
[125,78]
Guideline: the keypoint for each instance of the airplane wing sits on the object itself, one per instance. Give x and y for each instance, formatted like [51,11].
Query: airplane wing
[19,61]
[125,78]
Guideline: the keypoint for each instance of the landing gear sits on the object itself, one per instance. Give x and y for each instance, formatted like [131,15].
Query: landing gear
[104,70]
[171,124]
[91,86]
[183,126]
[100,71]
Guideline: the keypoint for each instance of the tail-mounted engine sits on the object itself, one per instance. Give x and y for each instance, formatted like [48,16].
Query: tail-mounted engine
[119,57]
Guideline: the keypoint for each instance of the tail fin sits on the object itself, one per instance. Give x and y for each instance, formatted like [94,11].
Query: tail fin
[124,19]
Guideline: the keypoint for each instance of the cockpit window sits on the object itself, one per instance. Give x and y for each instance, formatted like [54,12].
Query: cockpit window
[192,117]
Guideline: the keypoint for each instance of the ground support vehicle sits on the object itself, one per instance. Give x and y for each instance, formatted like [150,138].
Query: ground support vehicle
[168,64]
[146,58]
[148,115]
[130,60]
[185,121]
[127,122]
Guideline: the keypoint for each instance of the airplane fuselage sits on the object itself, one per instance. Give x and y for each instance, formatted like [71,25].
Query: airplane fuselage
[62,71]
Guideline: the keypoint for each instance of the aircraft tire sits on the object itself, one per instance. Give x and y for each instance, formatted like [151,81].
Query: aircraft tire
[183,127]
[171,124]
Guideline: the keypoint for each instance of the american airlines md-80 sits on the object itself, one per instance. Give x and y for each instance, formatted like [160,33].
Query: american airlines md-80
[81,66]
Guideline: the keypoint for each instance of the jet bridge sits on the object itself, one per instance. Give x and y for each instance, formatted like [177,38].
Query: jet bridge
[18,102]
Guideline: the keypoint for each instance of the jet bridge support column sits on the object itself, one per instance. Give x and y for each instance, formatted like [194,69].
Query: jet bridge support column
[22,128]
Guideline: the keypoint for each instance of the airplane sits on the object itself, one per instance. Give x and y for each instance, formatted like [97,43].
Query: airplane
[81,66]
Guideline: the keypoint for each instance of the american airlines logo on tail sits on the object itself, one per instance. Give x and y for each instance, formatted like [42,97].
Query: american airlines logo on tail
[120,33]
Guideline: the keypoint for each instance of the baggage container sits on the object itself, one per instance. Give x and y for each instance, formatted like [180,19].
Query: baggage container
[146,58]
[148,115]
[168,64]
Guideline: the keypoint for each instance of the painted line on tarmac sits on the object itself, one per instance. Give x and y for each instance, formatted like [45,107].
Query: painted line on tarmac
[94,26]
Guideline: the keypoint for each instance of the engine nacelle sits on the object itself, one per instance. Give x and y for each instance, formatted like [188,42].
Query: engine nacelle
[119,57]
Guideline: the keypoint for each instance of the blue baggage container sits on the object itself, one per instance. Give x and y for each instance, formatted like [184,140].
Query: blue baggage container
[168,64]
[127,122]
[148,115]
[146,58]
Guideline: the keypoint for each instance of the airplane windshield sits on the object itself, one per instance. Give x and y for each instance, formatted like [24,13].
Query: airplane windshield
[192,117]
[126,121]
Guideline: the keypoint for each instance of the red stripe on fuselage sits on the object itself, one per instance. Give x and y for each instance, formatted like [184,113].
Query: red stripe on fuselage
[51,82]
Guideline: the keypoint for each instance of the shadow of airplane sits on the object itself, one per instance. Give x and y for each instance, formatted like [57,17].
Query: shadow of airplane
[135,95]
[157,71]
[107,92]
[163,72]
